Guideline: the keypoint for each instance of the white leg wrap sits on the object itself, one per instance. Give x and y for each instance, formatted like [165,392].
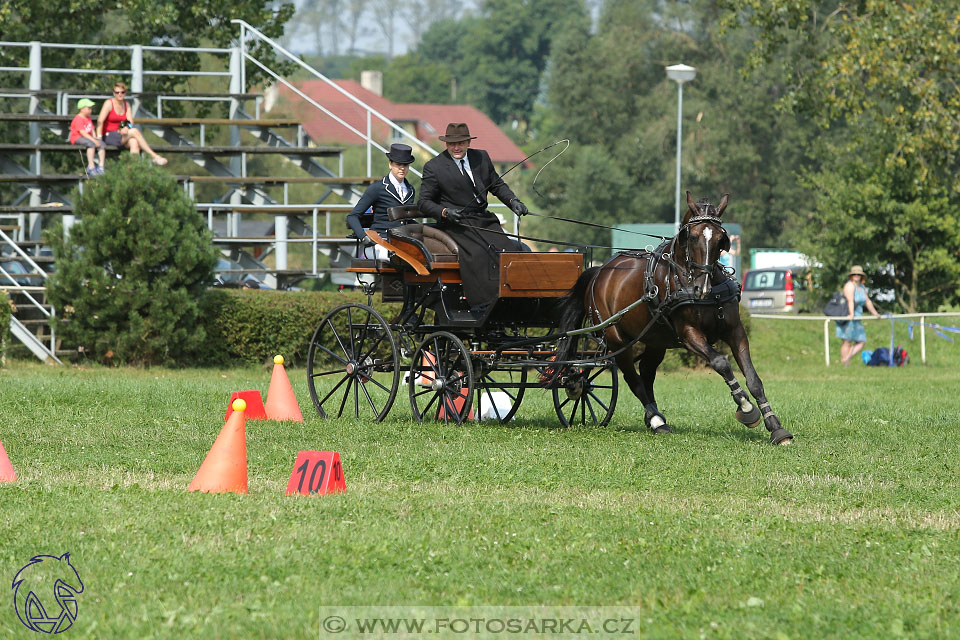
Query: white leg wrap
[656,421]
[745,405]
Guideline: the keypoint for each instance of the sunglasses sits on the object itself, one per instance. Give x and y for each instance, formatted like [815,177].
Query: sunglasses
[119,93]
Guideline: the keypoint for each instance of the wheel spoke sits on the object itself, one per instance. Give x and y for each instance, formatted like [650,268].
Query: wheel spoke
[589,405]
[332,391]
[599,401]
[326,373]
[346,394]
[434,397]
[363,387]
[373,380]
[356,398]
[573,414]
[336,335]
[335,356]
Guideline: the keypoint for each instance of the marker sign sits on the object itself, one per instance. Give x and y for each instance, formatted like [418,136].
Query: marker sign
[316,472]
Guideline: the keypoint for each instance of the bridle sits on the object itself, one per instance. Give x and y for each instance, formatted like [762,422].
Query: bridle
[695,269]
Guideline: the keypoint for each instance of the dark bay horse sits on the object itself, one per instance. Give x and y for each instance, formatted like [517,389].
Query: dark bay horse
[682,297]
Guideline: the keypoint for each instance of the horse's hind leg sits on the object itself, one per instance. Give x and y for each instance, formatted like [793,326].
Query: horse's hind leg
[642,387]
[741,353]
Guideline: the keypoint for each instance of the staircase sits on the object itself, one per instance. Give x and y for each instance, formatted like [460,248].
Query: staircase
[31,198]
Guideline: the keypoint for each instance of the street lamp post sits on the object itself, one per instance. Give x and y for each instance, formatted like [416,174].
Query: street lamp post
[679,73]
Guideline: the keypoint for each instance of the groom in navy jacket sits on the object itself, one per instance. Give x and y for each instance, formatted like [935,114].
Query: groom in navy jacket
[454,191]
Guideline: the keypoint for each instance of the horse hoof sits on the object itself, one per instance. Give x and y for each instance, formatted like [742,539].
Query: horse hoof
[663,429]
[781,437]
[751,419]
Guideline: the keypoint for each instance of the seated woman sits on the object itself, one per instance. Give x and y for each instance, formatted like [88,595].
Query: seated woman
[393,190]
[115,125]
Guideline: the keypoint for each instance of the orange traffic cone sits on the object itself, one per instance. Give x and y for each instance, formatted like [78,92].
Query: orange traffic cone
[224,470]
[281,403]
[7,474]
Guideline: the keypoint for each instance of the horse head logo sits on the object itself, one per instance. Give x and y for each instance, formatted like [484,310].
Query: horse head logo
[36,580]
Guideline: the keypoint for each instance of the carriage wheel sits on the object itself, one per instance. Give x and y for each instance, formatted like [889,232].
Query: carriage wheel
[587,393]
[441,379]
[353,365]
[488,385]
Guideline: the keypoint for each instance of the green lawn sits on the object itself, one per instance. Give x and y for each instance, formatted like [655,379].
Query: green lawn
[850,532]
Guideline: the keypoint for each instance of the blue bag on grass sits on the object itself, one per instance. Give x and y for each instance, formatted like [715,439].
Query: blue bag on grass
[880,357]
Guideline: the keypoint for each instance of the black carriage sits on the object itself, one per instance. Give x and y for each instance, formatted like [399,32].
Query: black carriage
[452,361]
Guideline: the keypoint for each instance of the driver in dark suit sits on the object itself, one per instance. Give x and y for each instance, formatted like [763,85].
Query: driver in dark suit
[454,190]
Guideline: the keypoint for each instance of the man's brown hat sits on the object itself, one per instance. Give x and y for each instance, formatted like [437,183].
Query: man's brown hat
[457,132]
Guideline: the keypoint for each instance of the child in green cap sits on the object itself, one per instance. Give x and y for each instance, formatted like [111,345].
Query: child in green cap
[83,134]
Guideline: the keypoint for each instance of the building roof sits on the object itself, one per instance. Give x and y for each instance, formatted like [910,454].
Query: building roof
[430,120]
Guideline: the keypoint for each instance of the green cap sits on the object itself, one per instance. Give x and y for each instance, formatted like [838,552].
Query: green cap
[84,102]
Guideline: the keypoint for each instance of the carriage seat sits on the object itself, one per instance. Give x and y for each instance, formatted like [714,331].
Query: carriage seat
[436,245]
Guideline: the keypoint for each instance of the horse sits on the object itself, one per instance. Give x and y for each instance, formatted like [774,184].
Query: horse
[675,296]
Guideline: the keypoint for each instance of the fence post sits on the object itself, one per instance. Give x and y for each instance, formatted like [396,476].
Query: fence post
[35,84]
[280,225]
[136,75]
[369,144]
[826,341]
[923,340]
[236,162]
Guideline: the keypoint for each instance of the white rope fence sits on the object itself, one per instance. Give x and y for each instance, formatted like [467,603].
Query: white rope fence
[921,322]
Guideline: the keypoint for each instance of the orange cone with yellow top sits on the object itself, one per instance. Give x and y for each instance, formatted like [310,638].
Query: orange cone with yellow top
[224,470]
[281,403]
[7,474]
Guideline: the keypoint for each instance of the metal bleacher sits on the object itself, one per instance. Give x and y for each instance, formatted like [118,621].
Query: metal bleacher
[253,217]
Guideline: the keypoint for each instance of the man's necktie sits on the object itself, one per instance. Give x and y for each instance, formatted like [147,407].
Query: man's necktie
[463,170]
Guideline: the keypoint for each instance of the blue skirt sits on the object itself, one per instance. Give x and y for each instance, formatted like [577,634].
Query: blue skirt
[851,330]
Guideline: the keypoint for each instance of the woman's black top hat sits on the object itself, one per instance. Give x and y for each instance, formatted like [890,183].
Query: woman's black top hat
[400,153]
[457,132]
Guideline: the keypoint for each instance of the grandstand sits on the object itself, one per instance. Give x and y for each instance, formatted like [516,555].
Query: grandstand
[255,219]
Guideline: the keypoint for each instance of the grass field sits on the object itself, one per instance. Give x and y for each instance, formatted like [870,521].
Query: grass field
[708,533]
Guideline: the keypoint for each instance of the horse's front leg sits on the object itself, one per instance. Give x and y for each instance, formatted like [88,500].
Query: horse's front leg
[696,343]
[737,339]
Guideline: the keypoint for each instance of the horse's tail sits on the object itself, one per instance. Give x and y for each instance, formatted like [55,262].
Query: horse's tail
[572,311]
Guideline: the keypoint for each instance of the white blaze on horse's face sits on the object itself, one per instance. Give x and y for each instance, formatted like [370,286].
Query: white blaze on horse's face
[707,236]
[702,282]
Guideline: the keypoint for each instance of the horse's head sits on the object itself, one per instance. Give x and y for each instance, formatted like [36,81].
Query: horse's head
[703,237]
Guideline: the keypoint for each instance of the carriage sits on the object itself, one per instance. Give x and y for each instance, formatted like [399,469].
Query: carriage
[553,326]
[452,362]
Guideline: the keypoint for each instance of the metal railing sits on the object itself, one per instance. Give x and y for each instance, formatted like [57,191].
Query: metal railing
[921,322]
[370,112]
[25,290]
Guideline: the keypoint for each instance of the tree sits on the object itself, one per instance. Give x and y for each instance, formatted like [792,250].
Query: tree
[498,57]
[130,275]
[420,14]
[412,79]
[182,23]
[884,74]
[609,90]
[870,213]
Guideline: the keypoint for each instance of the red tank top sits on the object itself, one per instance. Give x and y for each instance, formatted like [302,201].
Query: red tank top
[112,123]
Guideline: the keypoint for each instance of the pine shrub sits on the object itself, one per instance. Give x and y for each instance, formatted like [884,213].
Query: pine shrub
[131,274]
